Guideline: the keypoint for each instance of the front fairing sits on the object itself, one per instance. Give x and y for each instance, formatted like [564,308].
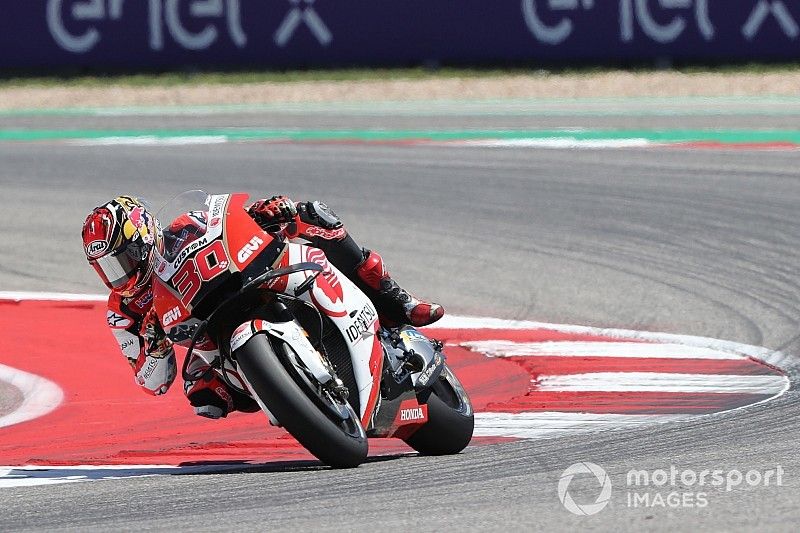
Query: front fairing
[211,247]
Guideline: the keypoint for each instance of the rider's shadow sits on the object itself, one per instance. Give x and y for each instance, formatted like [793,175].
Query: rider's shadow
[239,467]
[28,476]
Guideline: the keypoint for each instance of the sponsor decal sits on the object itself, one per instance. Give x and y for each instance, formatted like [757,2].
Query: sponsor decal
[171,316]
[332,289]
[428,373]
[162,266]
[124,345]
[117,321]
[188,250]
[214,222]
[249,249]
[137,217]
[219,204]
[362,323]
[145,299]
[328,234]
[150,368]
[224,394]
[96,248]
[241,334]
[411,335]
[413,414]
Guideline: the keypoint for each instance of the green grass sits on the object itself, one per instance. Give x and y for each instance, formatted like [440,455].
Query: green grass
[172,79]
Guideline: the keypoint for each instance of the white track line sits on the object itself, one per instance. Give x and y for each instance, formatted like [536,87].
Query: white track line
[40,395]
[547,424]
[33,476]
[502,348]
[151,140]
[19,296]
[661,382]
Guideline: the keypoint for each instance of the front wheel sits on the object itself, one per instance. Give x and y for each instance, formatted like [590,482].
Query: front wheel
[333,432]
[450,418]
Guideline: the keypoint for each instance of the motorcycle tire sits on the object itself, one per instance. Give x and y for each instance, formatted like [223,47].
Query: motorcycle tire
[450,418]
[298,413]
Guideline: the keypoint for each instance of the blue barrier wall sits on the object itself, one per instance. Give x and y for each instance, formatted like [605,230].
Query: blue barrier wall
[101,34]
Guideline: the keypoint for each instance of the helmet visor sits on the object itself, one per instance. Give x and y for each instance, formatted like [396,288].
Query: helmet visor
[117,270]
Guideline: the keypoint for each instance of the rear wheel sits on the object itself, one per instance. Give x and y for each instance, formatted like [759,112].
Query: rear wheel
[325,425]
[450,418]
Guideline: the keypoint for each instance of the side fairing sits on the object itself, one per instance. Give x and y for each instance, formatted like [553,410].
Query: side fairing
[168,307]
[351,312]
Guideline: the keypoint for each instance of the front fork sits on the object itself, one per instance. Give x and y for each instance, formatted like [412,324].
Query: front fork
[298,351]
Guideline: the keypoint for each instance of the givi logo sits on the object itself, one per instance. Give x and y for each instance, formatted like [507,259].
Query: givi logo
[171,316]
[249,249]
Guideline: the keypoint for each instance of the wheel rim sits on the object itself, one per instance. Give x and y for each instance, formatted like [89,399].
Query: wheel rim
[450,391]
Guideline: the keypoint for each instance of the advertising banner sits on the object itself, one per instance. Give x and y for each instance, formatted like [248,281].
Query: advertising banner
[156,34]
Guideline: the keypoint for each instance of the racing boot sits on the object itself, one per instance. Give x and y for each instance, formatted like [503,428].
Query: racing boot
[209,396]
[395,304]
[212,398]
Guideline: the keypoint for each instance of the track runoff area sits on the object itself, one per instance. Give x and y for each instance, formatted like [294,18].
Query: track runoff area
[71,412]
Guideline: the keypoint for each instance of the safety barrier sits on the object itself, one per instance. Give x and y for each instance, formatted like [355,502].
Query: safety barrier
[134,34]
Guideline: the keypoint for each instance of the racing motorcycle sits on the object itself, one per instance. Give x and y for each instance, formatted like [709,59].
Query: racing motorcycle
[284,327]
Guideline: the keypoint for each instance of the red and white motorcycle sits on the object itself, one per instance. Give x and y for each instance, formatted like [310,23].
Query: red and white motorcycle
[287,329]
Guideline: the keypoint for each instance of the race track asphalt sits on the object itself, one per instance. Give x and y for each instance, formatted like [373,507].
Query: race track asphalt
[684,241]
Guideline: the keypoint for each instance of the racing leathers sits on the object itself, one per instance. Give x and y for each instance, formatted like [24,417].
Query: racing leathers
[152,356]
[142,340]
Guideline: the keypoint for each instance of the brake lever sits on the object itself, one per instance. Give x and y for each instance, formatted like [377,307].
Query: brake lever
[306,285]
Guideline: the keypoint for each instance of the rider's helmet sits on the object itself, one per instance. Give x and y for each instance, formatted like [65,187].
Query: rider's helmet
[119,239]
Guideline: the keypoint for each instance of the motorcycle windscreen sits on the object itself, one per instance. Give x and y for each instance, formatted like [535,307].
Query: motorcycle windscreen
[183,231]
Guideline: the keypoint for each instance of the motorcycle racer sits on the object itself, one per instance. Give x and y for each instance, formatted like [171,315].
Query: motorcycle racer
[120,239]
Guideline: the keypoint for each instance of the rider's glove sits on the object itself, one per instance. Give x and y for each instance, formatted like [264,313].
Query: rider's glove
[157,344]
[155,367]
[275,210]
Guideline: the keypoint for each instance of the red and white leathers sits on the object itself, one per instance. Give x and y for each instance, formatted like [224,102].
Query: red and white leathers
[151,354]
[142,340]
